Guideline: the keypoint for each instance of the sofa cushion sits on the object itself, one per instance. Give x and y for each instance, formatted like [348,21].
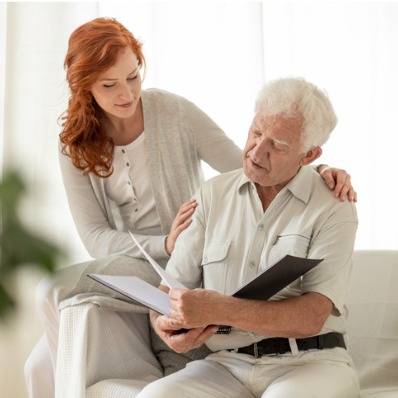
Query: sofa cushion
[373,321]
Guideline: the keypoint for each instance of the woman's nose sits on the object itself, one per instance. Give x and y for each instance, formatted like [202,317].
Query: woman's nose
[125,92]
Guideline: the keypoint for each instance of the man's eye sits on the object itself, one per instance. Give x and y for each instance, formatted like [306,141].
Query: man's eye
[280,147]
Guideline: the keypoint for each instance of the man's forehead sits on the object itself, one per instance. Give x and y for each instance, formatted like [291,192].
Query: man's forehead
[263,120]
[278,125]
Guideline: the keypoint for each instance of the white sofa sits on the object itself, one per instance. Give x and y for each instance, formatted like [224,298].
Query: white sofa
[372,331]
[373,322]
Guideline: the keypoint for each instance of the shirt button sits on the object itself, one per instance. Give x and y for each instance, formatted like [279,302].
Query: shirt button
[127,164]
[261,227]
[251,264]
[123,151]
[135,210]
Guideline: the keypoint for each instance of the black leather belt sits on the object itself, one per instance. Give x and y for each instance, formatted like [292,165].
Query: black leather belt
[280,345]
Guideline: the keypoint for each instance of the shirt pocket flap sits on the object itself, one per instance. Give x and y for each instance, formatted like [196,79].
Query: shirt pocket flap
[215,252]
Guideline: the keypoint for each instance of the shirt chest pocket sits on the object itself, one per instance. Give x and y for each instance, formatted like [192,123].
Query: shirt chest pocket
[214,264]
[293,244]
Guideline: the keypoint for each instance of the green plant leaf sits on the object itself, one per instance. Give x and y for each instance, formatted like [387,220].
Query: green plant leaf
[7,304]
[19,247]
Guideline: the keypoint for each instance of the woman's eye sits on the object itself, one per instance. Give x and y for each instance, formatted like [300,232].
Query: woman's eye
[132,78]
[108,85]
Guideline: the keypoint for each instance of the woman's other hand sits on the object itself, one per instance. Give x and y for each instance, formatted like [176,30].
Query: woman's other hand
[338,180]
[182,221]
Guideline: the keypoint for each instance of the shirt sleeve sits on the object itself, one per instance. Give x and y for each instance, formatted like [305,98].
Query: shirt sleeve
[335,244]
[96,231]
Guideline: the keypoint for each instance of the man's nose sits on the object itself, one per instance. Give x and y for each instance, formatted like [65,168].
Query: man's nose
[260,151]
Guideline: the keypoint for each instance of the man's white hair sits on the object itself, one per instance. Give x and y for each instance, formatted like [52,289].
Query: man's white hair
[297,98]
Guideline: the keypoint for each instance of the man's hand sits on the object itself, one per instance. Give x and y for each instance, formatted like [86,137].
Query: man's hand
[177,338]
[196,308]
[181,222]
[338,180]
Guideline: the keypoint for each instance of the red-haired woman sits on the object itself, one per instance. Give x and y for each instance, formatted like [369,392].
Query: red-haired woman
[130,160]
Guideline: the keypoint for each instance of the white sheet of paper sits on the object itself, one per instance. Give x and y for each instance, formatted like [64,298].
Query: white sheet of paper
[170,282]
[137,289]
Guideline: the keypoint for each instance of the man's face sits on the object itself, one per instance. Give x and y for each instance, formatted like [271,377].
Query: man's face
[273,152]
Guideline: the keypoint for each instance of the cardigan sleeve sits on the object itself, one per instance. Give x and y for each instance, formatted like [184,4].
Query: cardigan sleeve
[213,145]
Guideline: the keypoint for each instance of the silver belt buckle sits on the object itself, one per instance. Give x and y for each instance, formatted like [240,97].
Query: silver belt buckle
[255,351]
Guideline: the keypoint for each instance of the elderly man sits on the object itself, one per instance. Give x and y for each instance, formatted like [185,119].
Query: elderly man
[293,344]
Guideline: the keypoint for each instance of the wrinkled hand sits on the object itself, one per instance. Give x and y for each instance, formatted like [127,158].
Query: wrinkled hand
[339,181]
[195,308]
[180,339]
[181,222]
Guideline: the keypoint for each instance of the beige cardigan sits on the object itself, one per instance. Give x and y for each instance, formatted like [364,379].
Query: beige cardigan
[178,136]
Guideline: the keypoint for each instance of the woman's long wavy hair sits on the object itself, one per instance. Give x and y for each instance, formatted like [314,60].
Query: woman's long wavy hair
[92,49]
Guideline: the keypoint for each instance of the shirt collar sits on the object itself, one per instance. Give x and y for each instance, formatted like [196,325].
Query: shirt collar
[298,186]
[244,181]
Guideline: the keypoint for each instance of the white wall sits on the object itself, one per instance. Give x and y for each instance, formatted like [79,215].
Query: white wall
[349,49]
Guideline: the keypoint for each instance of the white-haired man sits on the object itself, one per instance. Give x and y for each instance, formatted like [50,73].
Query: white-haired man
[293,344]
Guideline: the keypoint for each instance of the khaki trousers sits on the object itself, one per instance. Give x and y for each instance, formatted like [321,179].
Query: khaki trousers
[314,373]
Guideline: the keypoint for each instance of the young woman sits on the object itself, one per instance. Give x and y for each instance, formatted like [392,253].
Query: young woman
[130,160]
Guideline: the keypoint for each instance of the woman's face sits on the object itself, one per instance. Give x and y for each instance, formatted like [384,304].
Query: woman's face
[117,91]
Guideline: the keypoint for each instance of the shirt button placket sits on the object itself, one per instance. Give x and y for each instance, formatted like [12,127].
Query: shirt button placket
[127,163]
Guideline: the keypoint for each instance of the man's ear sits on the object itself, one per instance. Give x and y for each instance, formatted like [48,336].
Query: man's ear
[313,154]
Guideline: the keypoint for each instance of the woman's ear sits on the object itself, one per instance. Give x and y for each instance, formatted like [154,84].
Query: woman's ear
[313,154]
